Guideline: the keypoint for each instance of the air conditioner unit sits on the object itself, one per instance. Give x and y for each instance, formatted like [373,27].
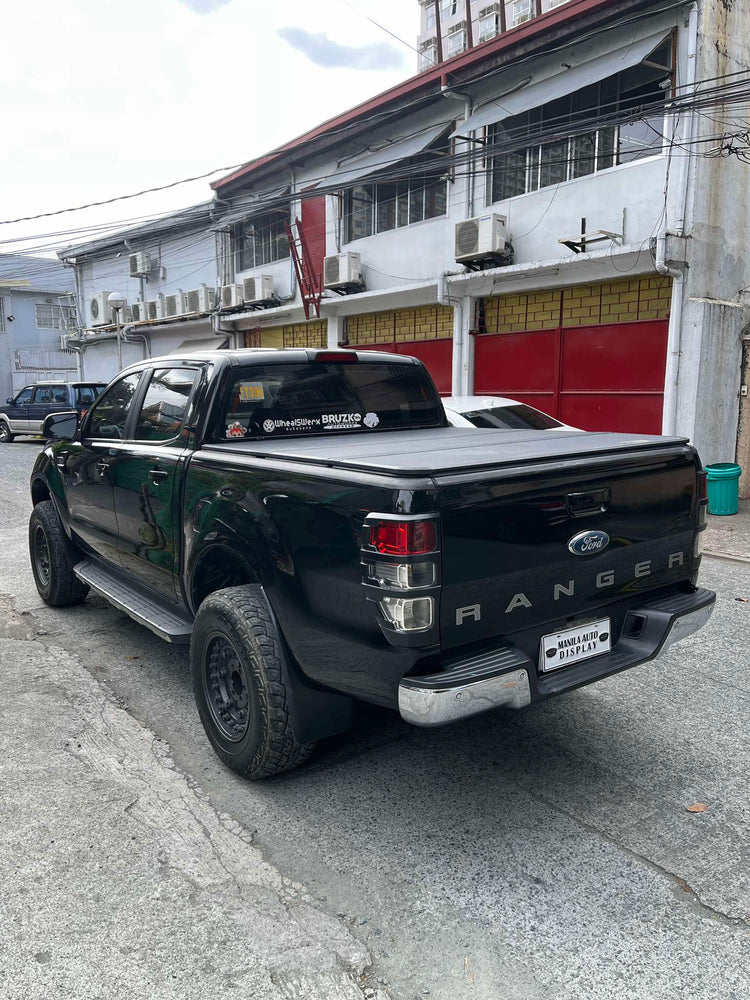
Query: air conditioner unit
[140,265]
[480,237]
[341,270]
[126,314]
[140,312]
[259,289]
[155,308]
[173,305]
[231,296]
[99,310]
[199,300]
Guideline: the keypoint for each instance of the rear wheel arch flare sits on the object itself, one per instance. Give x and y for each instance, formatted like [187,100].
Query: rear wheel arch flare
[218,568]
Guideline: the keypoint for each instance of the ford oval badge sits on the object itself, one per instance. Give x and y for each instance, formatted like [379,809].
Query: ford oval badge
[588,543]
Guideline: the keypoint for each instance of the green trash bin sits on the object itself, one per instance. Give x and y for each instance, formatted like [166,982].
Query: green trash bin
[723,487]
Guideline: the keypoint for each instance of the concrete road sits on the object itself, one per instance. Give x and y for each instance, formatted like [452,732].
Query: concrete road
[541,854]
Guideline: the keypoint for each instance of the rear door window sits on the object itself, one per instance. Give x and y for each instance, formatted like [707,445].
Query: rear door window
[279,400]
[86,394]
[165,404]
[42,395]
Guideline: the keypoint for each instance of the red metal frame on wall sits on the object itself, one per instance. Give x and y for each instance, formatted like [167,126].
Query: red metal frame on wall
[435,355]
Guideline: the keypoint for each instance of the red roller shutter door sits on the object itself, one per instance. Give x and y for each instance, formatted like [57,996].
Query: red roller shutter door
[605,377]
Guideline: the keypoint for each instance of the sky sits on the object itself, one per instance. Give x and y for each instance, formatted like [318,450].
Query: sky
[103,98]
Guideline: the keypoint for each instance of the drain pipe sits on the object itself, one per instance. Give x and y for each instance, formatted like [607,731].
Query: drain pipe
[674,337]
[456,95]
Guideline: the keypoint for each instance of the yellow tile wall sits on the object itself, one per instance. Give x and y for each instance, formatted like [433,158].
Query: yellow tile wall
[314,334]
[621,301]
[422,323]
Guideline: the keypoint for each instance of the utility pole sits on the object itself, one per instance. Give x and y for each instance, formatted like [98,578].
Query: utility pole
[469,30]
[439,30]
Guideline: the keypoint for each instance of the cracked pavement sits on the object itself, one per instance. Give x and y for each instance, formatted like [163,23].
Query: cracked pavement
[540,854]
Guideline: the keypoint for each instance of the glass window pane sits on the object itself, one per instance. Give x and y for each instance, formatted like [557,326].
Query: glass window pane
[24,397]
[109,414]
[42,395]
[509,175]
[582,154]
[435,199]
[532,169]
[387,194]
[359,211]
[59,394]
[606,148]
[165,403]
[416,202]
[639,139]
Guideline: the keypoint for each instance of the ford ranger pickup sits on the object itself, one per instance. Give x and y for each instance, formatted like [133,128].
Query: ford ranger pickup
[309,522]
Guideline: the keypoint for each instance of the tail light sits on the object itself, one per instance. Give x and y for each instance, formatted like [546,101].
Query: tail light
[702,484]
[402,555]
[403,538]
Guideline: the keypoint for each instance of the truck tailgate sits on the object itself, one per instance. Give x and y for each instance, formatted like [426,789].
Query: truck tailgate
[507,564]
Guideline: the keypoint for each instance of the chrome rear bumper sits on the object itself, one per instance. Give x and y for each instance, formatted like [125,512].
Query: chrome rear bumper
[506,676]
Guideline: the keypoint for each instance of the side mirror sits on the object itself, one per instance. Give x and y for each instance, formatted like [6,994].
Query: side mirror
[60,426]
[9,400]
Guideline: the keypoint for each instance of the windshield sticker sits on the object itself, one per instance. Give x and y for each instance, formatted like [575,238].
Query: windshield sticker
[250,391]
[371,420]
[297,424]
[236,430]
[341,421]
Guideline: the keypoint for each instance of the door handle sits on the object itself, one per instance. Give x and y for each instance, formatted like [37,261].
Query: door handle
[158,475]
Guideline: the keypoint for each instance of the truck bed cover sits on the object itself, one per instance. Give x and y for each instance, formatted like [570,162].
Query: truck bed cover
[443,450]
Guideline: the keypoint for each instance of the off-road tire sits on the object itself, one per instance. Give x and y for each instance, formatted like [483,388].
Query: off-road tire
[6,437]
[235,647]
[52,559]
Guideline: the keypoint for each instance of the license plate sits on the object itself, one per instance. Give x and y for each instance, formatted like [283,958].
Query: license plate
[575,644]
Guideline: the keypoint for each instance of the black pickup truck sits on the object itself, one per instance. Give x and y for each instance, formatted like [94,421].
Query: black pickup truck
[310,523]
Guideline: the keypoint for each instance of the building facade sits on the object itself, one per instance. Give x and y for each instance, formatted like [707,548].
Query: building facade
[556,214]
[37,307]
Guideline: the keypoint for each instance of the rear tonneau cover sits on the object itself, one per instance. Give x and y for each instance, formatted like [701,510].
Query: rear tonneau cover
[445,450]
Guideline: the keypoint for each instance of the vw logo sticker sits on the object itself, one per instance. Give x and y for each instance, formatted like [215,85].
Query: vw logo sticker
[588,543]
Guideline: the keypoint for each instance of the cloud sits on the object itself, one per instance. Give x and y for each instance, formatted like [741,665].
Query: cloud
[323,51]
[205,6]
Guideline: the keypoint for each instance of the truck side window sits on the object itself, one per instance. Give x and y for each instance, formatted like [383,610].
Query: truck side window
[43,395]
[59,394]
[109,414]
[23,397]
[165,404]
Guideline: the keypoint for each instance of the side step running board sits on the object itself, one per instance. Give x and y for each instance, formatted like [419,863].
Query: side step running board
[145,610]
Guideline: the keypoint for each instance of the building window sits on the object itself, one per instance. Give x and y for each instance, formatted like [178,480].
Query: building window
[260,240]
[54,317]
[448,8]
[427,55]
[553,143]
[429,17]
[522,10]
[456,41]
[551,4]
[488,25]
[386,205]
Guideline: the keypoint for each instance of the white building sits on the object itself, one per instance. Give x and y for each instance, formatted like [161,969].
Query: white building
[543,216]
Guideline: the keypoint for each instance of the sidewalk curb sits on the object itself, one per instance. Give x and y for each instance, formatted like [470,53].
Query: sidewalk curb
[725,555]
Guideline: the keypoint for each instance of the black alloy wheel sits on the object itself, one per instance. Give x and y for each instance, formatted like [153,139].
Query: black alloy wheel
[227,688]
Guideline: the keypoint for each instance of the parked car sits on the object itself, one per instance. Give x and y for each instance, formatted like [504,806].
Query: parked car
[25,412]
[499,412]
[313,527]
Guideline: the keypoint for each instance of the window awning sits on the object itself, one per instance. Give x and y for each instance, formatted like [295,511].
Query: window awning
[571,70]
[394,152]
[207,344]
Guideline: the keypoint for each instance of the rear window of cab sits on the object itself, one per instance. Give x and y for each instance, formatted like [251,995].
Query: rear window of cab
[283,400]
